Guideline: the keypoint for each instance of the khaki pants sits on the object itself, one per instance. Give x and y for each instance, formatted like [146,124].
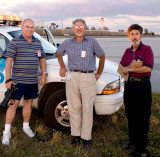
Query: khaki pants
[81,93]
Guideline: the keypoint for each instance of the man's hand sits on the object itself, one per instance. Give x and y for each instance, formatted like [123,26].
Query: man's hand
[97,76]
[8,85]
[125,70]
[100,68]
[62,72]
[137,64]
[42,80]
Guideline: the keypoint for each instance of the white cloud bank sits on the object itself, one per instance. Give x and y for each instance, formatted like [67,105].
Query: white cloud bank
[117,14]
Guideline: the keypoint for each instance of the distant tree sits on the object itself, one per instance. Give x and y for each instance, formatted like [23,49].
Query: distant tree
[68,27]
[145,31]
[105,28]
[53,26]
[93,28]
[87,28]
[151,33]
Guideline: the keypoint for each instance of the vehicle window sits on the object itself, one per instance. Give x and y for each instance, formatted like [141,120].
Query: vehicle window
[15,33]
[49,49]
[3,45]
[50,37]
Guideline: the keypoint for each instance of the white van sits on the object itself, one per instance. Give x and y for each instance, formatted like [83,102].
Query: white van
[52,100]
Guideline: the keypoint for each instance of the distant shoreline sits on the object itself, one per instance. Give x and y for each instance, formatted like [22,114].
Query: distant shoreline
[68,33]
[108,36]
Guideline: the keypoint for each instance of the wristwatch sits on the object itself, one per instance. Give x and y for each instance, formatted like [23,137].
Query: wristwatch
[44,73]
[129,69]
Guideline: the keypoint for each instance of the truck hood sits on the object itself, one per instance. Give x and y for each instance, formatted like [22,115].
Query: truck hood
[110,66]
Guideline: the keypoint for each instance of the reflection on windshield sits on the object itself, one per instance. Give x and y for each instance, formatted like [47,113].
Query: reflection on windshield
[15,33]
[49,49]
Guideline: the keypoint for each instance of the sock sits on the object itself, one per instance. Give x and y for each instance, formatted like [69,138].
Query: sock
[25,125]
[7,127]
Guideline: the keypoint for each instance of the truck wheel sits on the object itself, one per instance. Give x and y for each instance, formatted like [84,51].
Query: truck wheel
[56,110]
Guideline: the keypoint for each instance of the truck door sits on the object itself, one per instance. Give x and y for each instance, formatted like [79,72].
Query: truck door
[50,37]
[3,47]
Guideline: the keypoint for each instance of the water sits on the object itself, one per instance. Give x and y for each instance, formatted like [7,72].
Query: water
[115,47]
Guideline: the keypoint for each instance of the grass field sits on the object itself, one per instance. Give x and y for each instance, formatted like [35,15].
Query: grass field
[109,136]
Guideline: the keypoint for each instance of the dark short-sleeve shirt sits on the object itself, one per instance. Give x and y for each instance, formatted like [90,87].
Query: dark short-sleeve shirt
[26,59]
[74,51]
[143,51]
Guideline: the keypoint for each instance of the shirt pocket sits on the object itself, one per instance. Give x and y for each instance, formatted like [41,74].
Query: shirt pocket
[89,51]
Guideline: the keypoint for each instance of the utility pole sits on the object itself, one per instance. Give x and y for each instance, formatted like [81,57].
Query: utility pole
[62,23]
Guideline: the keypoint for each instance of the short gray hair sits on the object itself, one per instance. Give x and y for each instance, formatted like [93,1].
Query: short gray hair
[28,19]
[79,20]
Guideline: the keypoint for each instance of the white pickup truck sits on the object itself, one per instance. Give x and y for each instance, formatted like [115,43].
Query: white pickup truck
[52,103]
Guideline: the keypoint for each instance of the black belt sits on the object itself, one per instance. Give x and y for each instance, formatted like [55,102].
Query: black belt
[83,71]
[138,79]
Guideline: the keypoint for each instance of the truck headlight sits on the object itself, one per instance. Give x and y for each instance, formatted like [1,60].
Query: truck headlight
[111,88]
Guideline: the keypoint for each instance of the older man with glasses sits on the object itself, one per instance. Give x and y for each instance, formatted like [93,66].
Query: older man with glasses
[81,77]
[24,54]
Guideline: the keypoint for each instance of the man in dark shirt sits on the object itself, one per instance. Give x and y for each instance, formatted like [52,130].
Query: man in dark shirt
[138,61]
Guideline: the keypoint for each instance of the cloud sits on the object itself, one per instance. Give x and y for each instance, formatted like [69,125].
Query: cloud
[117,14]
[71,8]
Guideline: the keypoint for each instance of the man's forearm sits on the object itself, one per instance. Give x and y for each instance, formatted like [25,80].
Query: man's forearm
[43,64]
[101,65]
[60,59]
[143,69]
[8,68]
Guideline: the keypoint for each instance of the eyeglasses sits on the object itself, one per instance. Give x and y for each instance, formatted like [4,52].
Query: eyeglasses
[81,27]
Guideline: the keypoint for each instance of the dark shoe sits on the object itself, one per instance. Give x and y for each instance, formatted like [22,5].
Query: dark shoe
[128,146]
[86,144]
[75,140]
[139,154]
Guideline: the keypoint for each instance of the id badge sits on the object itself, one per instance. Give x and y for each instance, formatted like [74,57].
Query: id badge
[68,75]
[39,53]
[83,53]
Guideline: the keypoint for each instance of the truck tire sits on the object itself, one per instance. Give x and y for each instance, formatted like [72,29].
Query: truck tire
[56,110]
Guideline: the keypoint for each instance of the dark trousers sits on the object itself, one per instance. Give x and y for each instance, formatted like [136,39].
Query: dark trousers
[137,101]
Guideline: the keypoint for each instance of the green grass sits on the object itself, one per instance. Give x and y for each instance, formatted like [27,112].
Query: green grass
[109,136]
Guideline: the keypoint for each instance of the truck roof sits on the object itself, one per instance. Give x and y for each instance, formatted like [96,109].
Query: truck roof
[10,20]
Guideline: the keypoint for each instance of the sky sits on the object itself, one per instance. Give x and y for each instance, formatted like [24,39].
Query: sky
[117,14]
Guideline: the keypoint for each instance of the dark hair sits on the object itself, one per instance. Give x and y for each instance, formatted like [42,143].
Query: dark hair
[136,27]
[79,20]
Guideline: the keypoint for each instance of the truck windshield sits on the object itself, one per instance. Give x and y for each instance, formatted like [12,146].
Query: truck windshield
[49,49]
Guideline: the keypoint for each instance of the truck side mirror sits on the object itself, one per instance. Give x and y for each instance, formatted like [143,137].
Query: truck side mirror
[58,44]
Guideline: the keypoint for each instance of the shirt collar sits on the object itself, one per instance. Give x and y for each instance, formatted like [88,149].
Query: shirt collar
[140,45]
[22,37]
[74,38]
